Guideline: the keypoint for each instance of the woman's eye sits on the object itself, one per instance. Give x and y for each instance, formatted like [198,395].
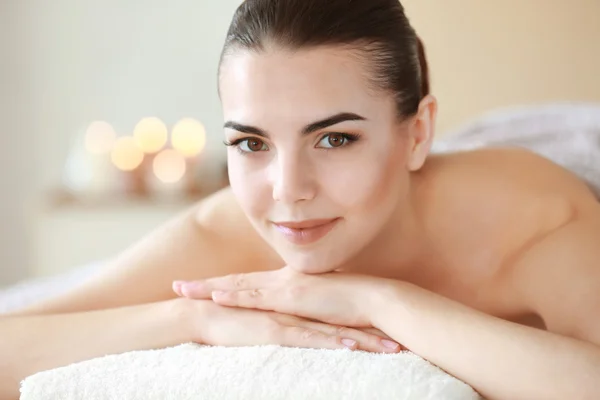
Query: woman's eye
[252,145]
[333,140]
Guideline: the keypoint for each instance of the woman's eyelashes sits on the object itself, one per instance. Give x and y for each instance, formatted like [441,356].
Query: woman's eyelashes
[336,140]
[248,145]
[328,141]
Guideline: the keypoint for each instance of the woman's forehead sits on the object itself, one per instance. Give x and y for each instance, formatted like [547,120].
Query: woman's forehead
[296,85]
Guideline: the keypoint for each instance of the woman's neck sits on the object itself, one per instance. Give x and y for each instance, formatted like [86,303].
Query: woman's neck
[402,247]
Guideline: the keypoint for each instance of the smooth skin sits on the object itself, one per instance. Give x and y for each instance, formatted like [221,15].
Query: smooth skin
[485,263]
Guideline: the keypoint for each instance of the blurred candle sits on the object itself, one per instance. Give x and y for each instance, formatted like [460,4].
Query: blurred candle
[150,135]
[88,170]
[169,166]
[188,137]
[100,137]
[126,155]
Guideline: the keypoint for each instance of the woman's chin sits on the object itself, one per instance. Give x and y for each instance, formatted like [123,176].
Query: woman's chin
[311,269]
[310,263]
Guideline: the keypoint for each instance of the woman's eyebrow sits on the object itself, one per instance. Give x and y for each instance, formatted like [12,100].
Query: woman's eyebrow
[329,121]
[245,128]
[308,129]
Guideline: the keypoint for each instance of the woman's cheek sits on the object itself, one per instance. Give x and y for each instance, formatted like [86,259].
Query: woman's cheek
[240,182]
[355,183]
[250,188]
[236,181]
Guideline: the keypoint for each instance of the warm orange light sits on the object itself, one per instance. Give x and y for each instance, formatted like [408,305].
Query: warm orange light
[100,137]
[126,155]
[188,137]
[169,166]
[150,134]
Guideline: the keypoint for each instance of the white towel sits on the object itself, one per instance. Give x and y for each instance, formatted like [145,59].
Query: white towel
[192,371]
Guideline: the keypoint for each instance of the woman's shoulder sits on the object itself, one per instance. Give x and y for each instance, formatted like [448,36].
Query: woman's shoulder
[510,174]
[221,216]
[220,209]
[212,238]
[501,198]
[487,206]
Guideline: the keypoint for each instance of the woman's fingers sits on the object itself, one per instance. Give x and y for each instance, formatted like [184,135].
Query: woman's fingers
[261,299]
[376,332]
[202,289]
[296,336]
[348,337]
[366,341]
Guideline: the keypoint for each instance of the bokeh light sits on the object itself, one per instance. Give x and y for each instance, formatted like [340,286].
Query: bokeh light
[126,155]
[100,137]
[169,166]
[150,134]
[188,137]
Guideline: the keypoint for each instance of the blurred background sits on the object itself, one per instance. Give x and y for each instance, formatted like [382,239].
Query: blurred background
[111,123]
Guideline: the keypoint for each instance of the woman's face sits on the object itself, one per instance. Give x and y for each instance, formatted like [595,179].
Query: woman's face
[319,159]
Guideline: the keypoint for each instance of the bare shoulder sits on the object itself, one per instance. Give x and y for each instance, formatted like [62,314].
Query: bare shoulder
[510,184]
[222,216]
[211,238]
[558,278]
[489,207]
[512,168]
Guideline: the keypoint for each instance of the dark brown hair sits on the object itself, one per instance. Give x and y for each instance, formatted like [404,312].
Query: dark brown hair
[377,29]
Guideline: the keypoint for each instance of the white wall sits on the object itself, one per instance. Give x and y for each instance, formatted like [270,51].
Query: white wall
[68,62]
[16,158]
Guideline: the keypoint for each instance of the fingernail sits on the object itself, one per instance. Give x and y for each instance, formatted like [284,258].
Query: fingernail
[187,288]
[177,287]
[349,342]
[389,344]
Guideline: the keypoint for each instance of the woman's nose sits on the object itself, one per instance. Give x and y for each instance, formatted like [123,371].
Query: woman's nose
[293,180]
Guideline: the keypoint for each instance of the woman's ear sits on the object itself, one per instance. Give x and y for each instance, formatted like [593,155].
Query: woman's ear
[422,132]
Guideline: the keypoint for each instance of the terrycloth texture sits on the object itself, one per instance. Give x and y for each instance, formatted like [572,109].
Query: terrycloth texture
[266,372]
[568,134]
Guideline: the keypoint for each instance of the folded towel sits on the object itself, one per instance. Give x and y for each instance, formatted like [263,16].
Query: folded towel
[192,371]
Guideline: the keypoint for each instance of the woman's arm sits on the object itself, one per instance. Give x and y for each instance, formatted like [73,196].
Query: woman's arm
[559,279]
[193,245]
[500,359]
[123,307]
[32,344]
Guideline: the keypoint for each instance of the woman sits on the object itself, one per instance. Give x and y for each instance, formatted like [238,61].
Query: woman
[337,231]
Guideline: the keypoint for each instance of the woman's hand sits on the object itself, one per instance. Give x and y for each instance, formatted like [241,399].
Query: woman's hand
[335,298]
[225,326]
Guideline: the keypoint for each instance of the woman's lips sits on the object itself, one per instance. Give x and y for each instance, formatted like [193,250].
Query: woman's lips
[306,232]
